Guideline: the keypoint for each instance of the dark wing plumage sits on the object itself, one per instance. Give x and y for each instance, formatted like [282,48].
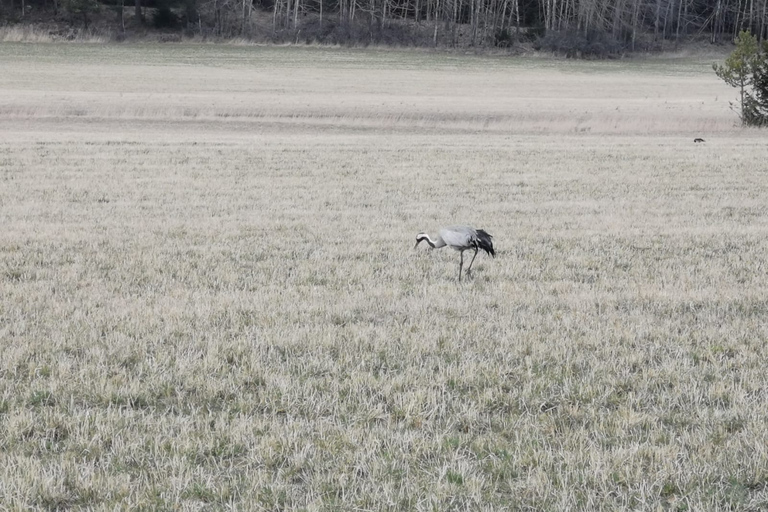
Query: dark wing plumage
[484,242]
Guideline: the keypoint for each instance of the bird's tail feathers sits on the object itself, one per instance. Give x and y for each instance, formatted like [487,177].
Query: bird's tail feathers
[485,243]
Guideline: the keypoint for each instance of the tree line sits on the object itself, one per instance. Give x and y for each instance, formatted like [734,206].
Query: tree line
[612,25]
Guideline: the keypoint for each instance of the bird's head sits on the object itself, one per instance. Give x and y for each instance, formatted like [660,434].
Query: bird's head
[420,237]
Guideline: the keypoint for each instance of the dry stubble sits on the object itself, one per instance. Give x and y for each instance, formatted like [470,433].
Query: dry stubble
[205,308]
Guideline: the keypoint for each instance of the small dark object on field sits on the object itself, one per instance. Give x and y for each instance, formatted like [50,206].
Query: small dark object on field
[460,238]
[698,139]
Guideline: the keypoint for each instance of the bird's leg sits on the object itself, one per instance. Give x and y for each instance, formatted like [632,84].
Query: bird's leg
[461,264]
[469,268]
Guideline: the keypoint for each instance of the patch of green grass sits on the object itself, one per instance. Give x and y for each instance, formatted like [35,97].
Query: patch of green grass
[454,477]
[41,398]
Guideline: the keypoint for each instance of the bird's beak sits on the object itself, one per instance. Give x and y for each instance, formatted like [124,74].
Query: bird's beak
[417,244]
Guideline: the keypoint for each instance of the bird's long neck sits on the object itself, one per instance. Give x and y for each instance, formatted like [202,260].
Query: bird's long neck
[436,243]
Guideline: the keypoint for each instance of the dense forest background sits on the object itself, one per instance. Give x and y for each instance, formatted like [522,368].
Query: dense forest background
[574,27]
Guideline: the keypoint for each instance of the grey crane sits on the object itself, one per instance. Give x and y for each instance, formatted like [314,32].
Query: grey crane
[460,238]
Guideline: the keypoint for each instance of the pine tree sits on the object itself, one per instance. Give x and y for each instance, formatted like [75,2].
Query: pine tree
[759,107]
[746,68]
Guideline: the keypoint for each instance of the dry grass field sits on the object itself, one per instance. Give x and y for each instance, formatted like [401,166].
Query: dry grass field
[210,299]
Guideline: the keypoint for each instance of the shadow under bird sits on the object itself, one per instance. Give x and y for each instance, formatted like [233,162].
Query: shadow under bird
[460,238]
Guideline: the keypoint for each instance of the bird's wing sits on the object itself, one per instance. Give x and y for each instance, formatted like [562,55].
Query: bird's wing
[457,236]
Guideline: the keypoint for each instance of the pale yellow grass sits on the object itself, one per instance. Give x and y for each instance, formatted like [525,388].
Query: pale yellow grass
[206,312]
[33,34]
[497,94]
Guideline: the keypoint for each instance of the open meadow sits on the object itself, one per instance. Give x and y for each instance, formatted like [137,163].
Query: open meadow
[210,298]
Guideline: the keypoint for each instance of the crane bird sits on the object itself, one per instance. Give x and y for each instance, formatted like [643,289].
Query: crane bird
[460,238]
